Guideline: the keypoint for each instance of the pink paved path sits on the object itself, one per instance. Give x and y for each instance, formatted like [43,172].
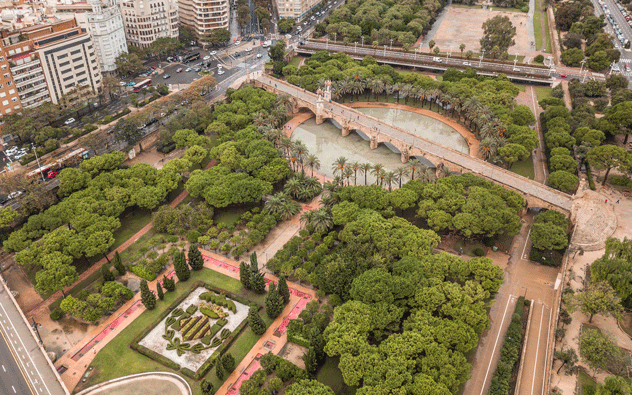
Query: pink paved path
[253,367]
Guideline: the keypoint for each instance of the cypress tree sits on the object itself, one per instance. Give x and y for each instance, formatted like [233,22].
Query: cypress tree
[256,323]
[273,302]
[148,298]
[161,295]
[228,361]
[284,291]
[254,265]
[169,284]
[219,370]
[311,362]
[118,264]
[107,274]
[180,264]
[257,282]
[244,274]
[195,257]
[206,387]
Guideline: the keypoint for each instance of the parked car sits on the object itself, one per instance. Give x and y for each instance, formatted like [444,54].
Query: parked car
[188,69]
[259,55]
[562,75]
[69,121]
[288,36]
[213,53]
[166,76]
[179,70]
[220,72]
[237,42]
[51,174]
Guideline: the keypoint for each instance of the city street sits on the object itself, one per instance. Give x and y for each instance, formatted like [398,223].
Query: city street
[23,367]
[626,30]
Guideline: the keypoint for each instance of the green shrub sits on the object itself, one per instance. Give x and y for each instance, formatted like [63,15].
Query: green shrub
[539,58]
[172,239]
[479,251]
[192,236]
[206,340]
[591,183]
[509,354]
[191,309]
[208,312]
[225,333]
[216,342]
[142,272]
[56,314]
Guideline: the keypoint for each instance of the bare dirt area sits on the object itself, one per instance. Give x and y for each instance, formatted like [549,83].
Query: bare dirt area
[27,297]
[464,26]
[293,353]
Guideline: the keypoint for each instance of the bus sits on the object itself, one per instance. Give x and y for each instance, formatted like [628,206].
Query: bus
[143,84]
[189,57]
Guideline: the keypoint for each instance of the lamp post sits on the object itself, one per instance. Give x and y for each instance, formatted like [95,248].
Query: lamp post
[515,61]
[362,41]
[481,58]
[450,53]
[355,47]
[415,53]
[384,50]
[391,43]
[38,162]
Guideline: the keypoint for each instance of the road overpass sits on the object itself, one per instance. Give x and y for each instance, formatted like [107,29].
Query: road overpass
[409,144]
[520,72]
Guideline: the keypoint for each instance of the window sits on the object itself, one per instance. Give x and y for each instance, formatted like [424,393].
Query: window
[8,110]
[64,64]
[67,78]
[11,91]
[14,99]
[9,83]
[75,52]
[3,67]
[66,71]
[5,102]
[6,75]
[3,94]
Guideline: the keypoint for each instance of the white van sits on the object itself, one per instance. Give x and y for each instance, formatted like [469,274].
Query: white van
[437,59]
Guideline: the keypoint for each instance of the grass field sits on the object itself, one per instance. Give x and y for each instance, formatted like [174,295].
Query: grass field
[228,215]
[546,33]
[524,168]
[537,25]
[583,379]
[330,375]
[542,92]
[116,359]
[295,61]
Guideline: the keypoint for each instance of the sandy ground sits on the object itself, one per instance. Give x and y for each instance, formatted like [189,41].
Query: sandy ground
[294,353]
[154,340]
[152,384]
[464,26]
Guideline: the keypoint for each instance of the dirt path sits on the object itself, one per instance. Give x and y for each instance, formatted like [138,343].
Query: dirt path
[543,20]
[530,99]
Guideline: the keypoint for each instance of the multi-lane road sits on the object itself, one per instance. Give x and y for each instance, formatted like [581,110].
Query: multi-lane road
[626,32]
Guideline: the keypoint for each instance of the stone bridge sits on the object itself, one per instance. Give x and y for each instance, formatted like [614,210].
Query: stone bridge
[409,144]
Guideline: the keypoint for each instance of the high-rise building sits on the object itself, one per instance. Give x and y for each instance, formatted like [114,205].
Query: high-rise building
[104,22]
[295,9]
[147,20]
[202,16]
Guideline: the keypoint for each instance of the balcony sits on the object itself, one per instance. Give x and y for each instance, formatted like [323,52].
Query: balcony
[24,73]
[33,62]
[23,94]
[32,80]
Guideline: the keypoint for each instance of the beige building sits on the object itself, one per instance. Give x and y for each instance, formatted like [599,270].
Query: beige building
[147,20]
[202,16]
[295,9]
[43,62]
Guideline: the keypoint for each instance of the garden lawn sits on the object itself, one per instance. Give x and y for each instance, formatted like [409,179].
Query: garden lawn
[330,375]
[116,359]
[537,25]
[524,168]
[228,215]
[295,61]
[542,92]
[546,33]
[583,379]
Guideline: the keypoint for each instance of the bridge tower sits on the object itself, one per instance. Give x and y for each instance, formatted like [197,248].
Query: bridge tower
[322,98]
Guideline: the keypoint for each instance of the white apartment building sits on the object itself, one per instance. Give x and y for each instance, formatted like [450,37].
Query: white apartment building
[295,9]
[104,22]
[202,16]
[147,20]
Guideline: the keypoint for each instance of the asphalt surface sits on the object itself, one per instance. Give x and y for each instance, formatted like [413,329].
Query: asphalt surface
[24,369]
[626,31]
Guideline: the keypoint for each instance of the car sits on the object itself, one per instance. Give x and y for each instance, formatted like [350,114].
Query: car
[312,18]
[162,114]
[562,75]
[206,57]
[467,64]
[179,70]
[20,155]
[132,83]
[237,42]
[197,69]
[220,72]
[626,67]
[166,76]
[213,53]
[69,121]
[437,59]
[170,59]
[122,83]
[237,54]
[288,36]
[248,49]
[13,195]
[219,66]
[188,69]
[259,56]
[51,174]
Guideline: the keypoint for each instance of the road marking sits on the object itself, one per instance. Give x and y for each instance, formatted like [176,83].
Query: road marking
[511,298]
[547,346]
[4,369]
[537,350]
[14,389]
[525,245]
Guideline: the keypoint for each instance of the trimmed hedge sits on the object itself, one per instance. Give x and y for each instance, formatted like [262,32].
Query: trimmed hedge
[208,312]
[142,272]
[510,353]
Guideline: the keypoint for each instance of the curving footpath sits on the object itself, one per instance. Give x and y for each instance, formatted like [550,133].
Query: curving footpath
[154,383]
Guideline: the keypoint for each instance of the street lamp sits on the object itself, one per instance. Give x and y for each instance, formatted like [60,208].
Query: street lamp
[450,53]
[515,61]
[363,41]
[355,47]
[415,53]
[38,162]
[384,50]
[391,43]
[481,57]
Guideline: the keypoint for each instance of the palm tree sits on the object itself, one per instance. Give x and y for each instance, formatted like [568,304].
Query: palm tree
[355,166]
[301,152]
[285,101]
[390,177]
[428,175]
[347,173]
[312,162]
[366,168]
[283,205]
[378,168]
[443,170]
[322,220]
[413,166]
[400,173]
[375,86]
[286,145]
[292,187]
[462,48]
[339,165]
